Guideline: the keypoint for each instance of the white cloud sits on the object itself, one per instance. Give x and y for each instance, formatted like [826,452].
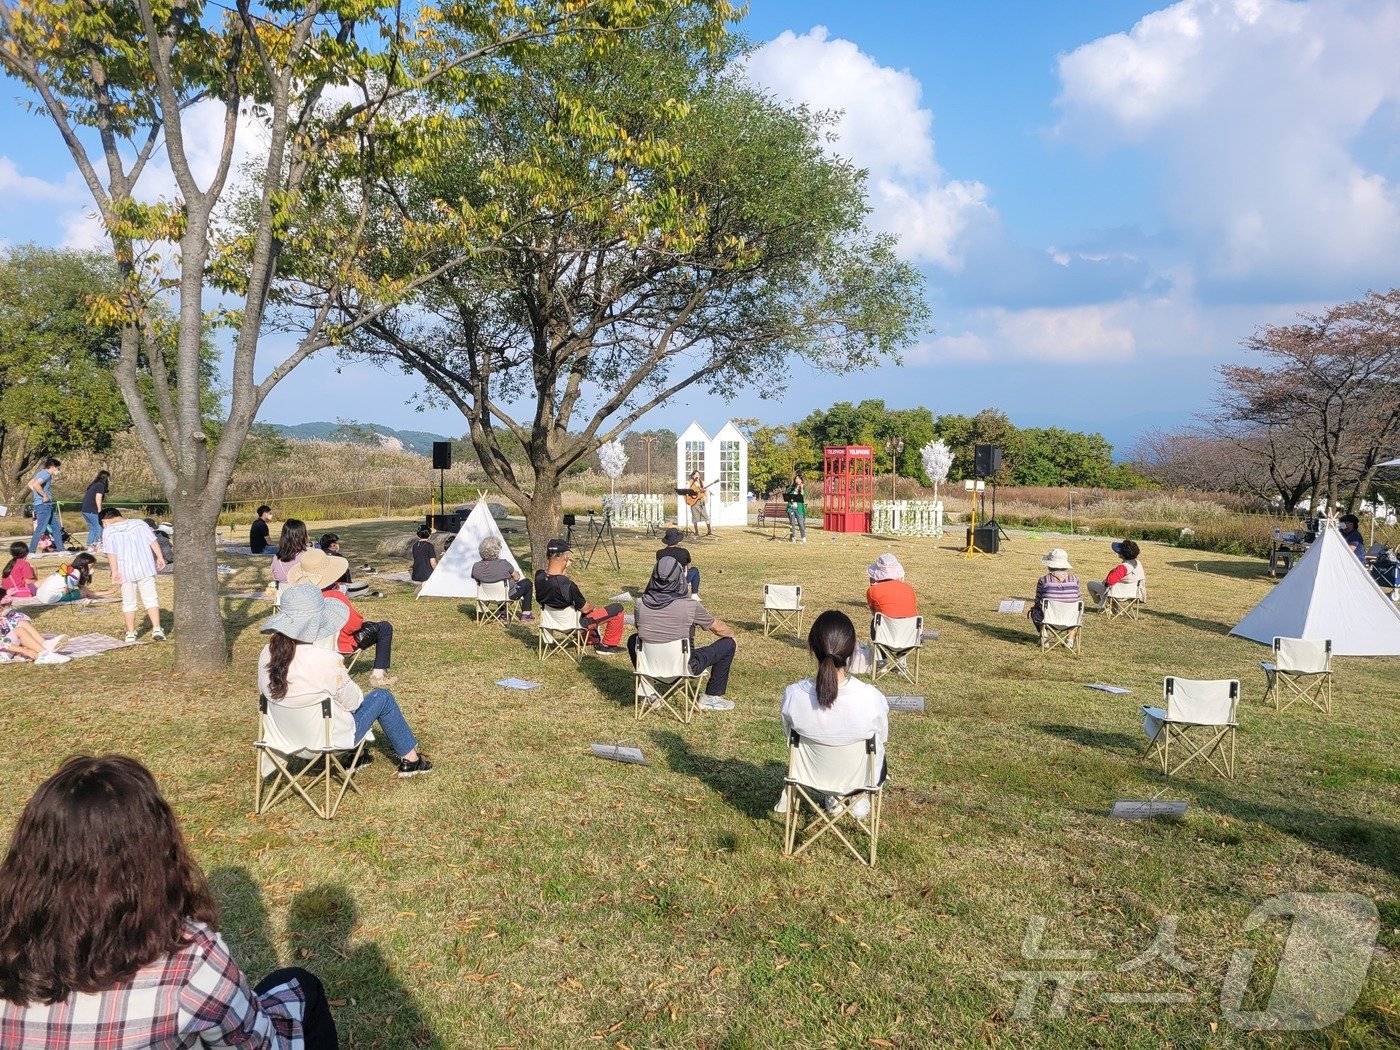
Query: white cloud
[881,128]
[15,186]
[1255,108]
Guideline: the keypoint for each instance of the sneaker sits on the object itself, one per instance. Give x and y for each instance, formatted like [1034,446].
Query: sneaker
[715,703]
[527,617]
[51,658]
[380,680]
[860,808]
[608,650]
[157,635]
[835,807]
[412,769]
[130,637]
[347,757]
[53,645]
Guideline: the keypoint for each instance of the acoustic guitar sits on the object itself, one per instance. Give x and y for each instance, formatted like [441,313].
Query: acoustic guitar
[692,497]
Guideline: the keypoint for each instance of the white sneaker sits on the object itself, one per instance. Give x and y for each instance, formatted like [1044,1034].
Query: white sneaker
[130,637]
[860,808]
[51,658]
[157,635]
[715,703]
[53,645]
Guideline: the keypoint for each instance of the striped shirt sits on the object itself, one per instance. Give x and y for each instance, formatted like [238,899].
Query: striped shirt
[1057,590]
[194,997]
[130,539]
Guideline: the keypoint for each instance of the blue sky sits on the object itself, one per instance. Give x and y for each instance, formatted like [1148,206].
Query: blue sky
[1105,197]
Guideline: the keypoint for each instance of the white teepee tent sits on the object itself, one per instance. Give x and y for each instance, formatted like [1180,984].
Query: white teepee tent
[1327,594]
[453,576]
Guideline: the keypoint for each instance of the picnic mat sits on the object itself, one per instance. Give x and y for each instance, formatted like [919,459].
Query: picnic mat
[401,577]
[88,644]
[242,595]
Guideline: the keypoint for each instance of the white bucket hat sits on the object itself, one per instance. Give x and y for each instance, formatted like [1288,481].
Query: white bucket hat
[886,567]
[1056,559]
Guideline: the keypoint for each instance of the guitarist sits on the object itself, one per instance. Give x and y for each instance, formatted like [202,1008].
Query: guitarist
[696,499]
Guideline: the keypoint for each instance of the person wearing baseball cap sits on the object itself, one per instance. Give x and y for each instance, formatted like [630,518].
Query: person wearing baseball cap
[555,590]
[1058,584]
[672,538]
[328,572]
[296,671]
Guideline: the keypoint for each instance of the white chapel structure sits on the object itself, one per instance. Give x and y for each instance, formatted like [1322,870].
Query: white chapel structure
[722,460]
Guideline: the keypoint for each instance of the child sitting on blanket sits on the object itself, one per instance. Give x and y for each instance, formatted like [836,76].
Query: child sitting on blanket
[70,582]
[18,577]
[19,640]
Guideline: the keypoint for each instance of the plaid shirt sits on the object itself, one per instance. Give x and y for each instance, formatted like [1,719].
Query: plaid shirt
[195,997]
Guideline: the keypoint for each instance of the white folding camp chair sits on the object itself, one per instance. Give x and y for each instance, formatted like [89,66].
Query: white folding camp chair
[848,772]
[1060,624]
[561,632]
[493,602]
[1122,599]
[1199,716]
[896,644]
[782,607]
[663,678]
[1303,667]
[293,734]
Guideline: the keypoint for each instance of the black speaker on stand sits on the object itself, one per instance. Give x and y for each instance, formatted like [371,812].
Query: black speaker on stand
[442,462]
[986,460]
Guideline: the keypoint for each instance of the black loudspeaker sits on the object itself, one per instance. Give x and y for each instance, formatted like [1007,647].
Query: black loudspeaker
[987,538]
[986,460]
[442,455]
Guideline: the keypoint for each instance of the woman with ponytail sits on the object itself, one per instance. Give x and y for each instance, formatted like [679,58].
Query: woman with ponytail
[832,707]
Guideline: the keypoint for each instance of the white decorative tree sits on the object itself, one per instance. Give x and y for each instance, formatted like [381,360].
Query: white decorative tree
[613,459]
[938,460]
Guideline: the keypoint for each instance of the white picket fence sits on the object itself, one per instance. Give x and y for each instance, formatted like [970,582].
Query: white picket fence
[907,517]
[632,510]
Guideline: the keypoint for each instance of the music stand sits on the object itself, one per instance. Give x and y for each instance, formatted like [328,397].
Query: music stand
[601,533]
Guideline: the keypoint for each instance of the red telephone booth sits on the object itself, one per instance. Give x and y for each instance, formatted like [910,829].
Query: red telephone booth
[848,484]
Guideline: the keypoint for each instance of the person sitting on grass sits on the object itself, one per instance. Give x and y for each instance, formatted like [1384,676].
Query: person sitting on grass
[672,538]
[259,531]
[330,543]
[888,594]
[327,571]
[109,931]
[835,708]
[492,568]
[71,582]
[1128,572]
[554,590]
[424,556]
[1058,584]
[18,576]
[665,615]
[1349,526]
[21,640]
[295,670]
[291,545]
[134,557]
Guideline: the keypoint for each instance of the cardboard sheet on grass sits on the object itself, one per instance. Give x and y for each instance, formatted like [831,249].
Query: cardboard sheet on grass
[1327,594]
[453,576]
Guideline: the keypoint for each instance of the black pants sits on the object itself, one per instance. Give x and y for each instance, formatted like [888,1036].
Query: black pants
[524,590]
[380,634]
[718,656]
[318,1026]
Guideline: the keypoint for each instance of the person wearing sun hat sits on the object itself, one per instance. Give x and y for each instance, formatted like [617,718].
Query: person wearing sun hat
[328,572]
[295,671]
[888,594]
[1129,571]
[1058,584]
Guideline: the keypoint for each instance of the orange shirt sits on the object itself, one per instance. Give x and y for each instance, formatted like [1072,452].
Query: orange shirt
[892,598]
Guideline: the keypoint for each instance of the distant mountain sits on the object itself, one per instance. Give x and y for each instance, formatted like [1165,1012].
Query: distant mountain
[418,441]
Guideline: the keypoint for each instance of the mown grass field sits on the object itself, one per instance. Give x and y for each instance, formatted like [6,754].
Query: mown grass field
[526,894]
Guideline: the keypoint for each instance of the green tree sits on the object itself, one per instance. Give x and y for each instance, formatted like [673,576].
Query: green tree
[775,453]
[690,231]
[988,427]
[57,393]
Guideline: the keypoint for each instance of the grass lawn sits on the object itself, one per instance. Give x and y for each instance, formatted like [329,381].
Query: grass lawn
[527,894]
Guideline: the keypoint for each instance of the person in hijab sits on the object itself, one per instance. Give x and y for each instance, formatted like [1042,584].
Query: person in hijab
[666,613]
[888,594]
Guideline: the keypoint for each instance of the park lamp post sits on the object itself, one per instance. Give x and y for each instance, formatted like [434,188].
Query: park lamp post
[894,446]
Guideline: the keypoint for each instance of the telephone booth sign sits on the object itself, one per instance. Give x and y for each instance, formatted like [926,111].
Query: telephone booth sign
[848,485]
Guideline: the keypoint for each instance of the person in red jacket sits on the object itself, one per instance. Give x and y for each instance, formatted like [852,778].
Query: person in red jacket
[327,571]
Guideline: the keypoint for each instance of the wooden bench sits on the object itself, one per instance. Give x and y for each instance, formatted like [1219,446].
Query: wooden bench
[773,512]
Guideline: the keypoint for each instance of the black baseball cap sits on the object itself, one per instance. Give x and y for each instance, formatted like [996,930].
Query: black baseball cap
[556,547]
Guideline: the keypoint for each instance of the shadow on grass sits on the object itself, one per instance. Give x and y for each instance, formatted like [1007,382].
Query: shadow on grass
[1235,570]
[244,922]
[1025,636]
[319,927]
[1123,744]
[746,786]
[1194,622]
[612,675]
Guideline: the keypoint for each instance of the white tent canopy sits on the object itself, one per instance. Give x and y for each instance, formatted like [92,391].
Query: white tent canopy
[453,576]
[1327,594]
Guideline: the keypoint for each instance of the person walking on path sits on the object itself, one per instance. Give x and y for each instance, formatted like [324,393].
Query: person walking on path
[45,510]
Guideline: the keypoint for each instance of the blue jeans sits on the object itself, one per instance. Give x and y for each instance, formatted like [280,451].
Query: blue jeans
[797,519]
[94,529]
[380,706]
[692,579]
[44,518]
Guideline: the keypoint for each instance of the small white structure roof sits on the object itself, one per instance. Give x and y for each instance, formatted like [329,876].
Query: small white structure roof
[453,576]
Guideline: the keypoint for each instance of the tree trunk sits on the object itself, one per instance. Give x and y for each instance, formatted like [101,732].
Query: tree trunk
[201,645]
[542,517]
